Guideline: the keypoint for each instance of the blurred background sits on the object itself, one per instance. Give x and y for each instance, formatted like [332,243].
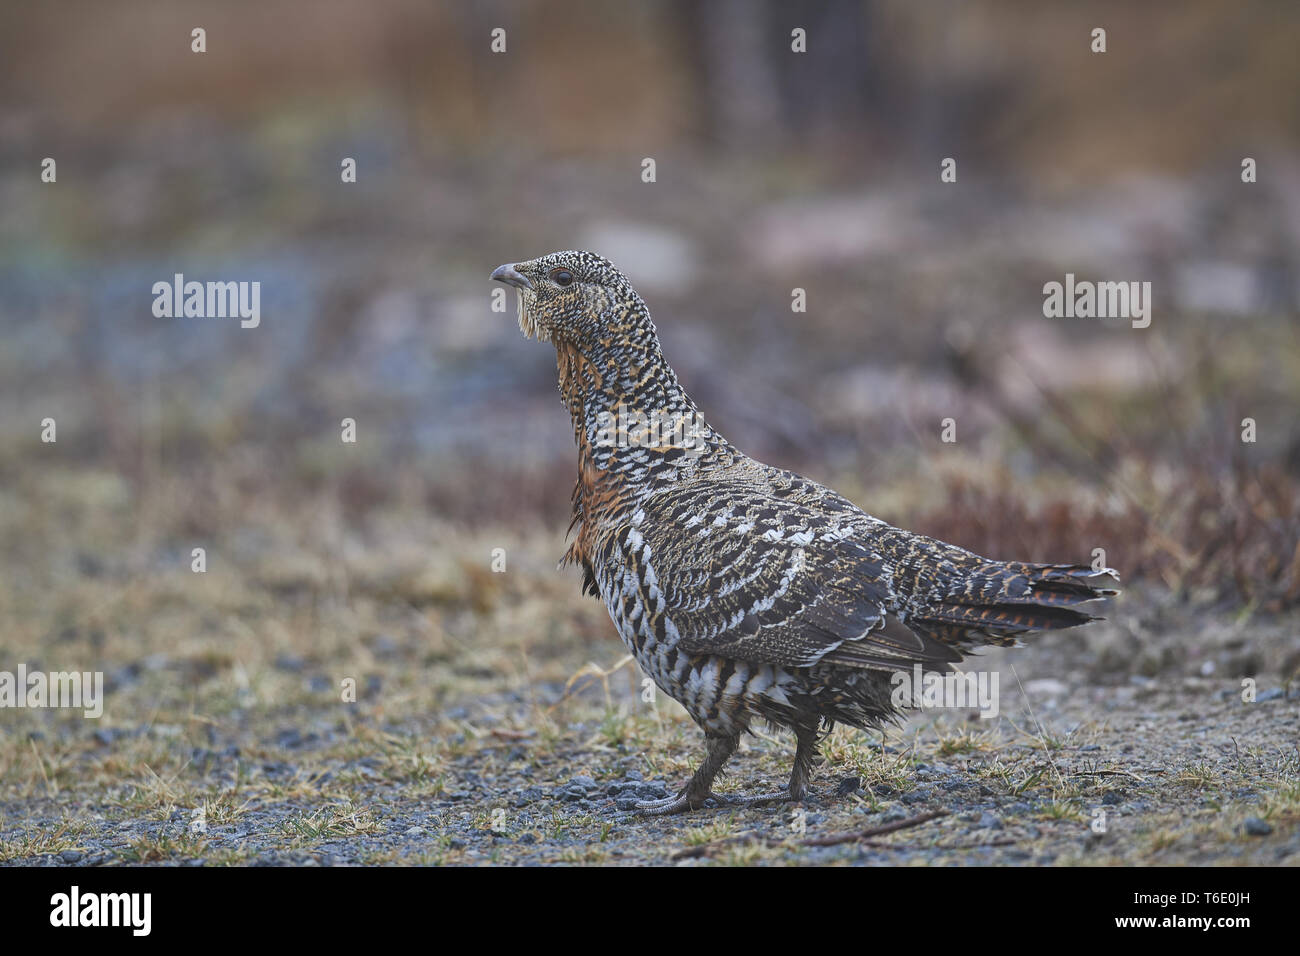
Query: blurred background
[775,170]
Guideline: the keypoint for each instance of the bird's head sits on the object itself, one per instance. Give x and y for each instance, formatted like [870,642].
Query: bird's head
[575,298]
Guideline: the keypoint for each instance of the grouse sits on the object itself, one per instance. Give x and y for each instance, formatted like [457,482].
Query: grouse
[747,592]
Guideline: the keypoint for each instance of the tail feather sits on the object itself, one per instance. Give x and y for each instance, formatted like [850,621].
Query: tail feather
[999,602]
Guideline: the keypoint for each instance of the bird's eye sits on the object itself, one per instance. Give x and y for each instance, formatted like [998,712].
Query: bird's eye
[561,277]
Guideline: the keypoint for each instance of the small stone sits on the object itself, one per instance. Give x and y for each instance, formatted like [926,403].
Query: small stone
[70,856]
[1257,827]
[848,785]
[292,663]
[529,795]
[1275,693]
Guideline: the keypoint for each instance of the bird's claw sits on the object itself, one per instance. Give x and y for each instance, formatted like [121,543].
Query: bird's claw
[766,799]
[683,802]
[678,804]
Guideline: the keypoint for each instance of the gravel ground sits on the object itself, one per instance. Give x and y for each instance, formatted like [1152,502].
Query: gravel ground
[1075,771]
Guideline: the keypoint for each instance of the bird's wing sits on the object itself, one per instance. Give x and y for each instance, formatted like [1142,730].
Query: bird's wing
[755,576]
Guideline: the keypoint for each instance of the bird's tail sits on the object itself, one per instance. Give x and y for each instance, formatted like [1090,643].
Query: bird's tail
[997,602]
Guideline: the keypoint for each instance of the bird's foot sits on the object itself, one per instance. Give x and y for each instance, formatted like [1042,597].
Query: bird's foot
[679,804]
[684,801]
[766,799]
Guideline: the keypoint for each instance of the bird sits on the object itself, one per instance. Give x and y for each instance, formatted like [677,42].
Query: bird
[746,592]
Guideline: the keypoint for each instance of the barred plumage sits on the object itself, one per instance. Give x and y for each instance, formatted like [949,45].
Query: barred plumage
[747,592]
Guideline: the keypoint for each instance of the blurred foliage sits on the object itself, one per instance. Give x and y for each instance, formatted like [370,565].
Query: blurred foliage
[776,170]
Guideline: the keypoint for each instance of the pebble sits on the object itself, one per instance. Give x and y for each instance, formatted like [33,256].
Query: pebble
[291,663]
[1257,827]
[529,795]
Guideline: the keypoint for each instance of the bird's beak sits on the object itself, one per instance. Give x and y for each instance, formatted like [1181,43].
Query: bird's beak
[511,276]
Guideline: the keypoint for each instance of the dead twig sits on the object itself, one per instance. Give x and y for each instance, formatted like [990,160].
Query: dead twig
[858,836]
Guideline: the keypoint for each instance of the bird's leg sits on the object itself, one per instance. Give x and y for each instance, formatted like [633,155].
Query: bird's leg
[805,756]
[718,751]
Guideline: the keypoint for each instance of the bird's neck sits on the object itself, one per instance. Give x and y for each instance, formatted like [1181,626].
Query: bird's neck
[632,421]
